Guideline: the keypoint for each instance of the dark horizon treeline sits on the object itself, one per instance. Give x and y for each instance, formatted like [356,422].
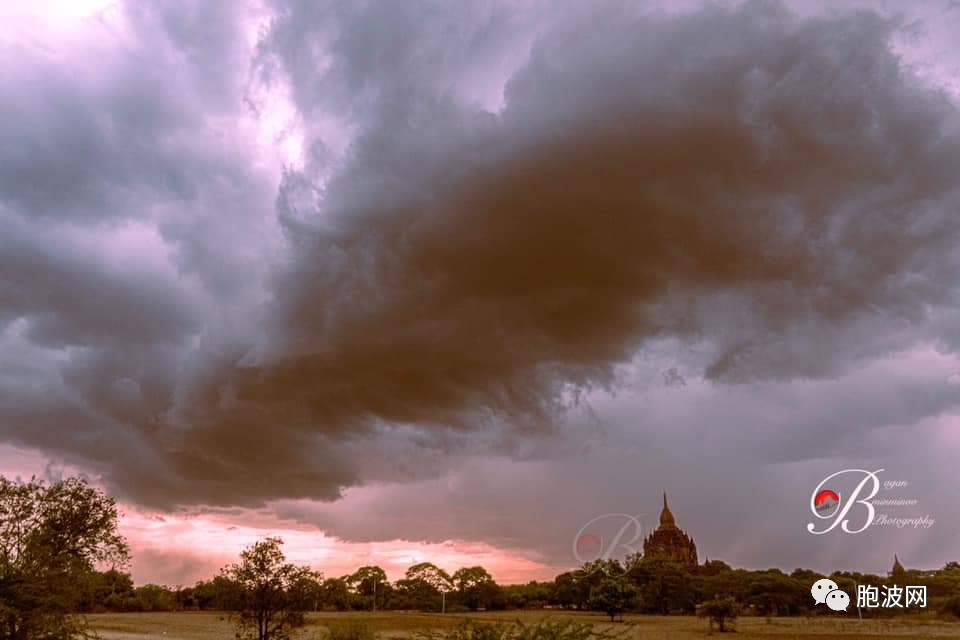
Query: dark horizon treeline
[640,585]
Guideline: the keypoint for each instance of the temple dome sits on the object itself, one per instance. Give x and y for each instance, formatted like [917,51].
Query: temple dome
[670,542]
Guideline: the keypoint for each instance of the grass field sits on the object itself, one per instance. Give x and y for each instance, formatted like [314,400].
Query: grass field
[210,626]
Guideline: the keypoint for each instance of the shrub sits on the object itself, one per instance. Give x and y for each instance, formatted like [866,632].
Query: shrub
[720,611]
[543,630]
[951,607]
[351,630]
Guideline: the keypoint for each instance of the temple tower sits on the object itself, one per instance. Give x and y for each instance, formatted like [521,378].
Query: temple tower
[670,542]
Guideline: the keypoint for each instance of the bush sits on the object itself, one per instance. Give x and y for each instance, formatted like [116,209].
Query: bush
[720,611]
[543,630]
[951,607]
[352,630]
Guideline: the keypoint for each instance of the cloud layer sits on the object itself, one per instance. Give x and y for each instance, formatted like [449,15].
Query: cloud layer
[498,213]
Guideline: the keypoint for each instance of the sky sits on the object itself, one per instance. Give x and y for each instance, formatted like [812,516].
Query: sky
[452,282]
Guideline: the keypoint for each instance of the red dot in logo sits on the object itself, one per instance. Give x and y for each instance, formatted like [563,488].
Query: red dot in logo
[826,499]
[589,544]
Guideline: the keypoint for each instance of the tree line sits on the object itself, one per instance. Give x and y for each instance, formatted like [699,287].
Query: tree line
[651,586]
[61,555]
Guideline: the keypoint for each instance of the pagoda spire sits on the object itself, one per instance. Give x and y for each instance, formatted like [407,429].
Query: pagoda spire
[897,569]
[666,517]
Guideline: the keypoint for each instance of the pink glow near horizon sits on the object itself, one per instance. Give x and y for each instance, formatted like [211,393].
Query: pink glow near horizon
[182,549]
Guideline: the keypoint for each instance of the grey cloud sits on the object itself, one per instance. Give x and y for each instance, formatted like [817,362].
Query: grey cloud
[791,170]
[739,464]
[776,189]
[73,296]
[137,126]
[128,211]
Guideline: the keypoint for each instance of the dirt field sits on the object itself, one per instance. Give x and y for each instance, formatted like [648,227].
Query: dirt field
[210,626]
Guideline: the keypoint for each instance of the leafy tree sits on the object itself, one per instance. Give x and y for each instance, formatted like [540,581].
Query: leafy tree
[720,612]
[713,568]
[335,593]
[567,591]
[613,595]
[951,607]
[431,575]
[806,576]
[370,583]
[532,595]
[422,585]
[726,584]
[774,593]
[51,539]
[273,593]
[573,588]
[600,568]
[104,591]
[309,589]
[664,586]
[475,587]
[220,594]
[152,597]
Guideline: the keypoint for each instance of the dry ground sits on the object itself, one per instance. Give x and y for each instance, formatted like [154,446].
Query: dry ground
[394,625]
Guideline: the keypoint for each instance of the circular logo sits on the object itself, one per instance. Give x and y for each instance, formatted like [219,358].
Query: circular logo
[826,501]
[625,532]
[590,546]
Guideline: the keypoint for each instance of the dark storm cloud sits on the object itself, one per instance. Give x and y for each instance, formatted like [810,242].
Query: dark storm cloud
[779,190]
[732,176]
[125,209]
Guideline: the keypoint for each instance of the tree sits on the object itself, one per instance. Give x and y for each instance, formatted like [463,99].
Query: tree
[219,593]
[369,583]
[720,611]
[335,593]
[613,595]
[430,575]
[533,595]
[51,539]
[152,597]
[665,586]
[423,585]
[273,593]
[475,587]
[105,591]
[774,593]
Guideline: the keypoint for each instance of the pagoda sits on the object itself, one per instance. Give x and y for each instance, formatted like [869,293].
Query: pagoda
[670,542]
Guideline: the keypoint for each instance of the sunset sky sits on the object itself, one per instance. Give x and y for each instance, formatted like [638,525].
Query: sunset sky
[445,281]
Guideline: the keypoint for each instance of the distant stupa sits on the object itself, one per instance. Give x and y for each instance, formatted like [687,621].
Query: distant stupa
[897,571]
[670,542]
